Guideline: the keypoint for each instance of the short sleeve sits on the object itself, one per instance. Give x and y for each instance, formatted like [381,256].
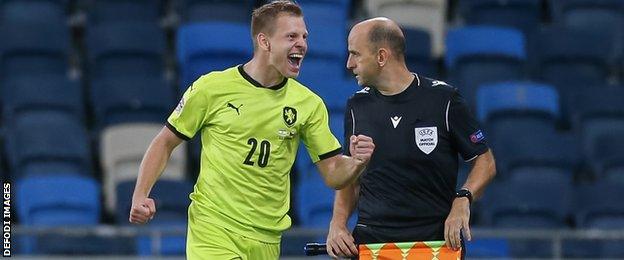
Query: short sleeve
[317,137]
[464,128]
[190,114]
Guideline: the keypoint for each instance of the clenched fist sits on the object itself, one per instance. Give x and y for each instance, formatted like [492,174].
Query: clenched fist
[361,148]
[142,211]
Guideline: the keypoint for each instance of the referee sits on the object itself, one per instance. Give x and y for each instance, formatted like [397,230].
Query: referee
[408,191]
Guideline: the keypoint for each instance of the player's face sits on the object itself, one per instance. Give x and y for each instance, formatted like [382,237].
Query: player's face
[288,45]
[362,60]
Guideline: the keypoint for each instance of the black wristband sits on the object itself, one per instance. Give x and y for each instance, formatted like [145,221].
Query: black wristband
[464,193]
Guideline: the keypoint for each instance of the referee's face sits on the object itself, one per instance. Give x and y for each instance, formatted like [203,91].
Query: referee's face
[362,60]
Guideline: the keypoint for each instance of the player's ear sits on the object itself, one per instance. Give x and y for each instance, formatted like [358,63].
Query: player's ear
[382,56]
[263,41]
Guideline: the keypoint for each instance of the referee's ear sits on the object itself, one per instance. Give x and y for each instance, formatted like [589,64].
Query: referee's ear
[383,55]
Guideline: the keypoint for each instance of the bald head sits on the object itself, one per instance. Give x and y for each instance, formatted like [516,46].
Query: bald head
[382,32]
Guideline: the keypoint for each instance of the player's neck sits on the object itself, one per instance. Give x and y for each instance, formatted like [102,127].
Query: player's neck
[394,81]
[262,73]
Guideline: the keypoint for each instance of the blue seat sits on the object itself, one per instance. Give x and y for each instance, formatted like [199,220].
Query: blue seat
[31,49]
[488,248]
[596,102]
[511,97]
[324,77]
[126,49]
[200,52]
[571,59]
[42,12]
[41,93]
[597,211]
[122,100]
[541,206]
[476,55]
[603,147]
[48,143]
[418,56]
[608,15]
[237,11]
[172,201]
[56,200]
[524,15]
[125,11]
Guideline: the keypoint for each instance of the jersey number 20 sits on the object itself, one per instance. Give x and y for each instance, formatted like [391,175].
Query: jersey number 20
[265,150]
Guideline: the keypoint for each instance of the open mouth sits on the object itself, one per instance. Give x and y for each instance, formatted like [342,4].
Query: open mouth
[294,59]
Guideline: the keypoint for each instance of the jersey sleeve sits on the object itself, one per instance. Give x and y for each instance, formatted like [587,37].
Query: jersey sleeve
[465,129]
[190,114]
[317,137]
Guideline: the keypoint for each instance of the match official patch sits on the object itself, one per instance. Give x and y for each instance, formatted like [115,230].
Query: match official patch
[477,137]
[426,138]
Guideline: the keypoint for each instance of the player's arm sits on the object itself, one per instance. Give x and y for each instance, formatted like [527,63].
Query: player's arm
[340,170]
[153,164]
[340,242]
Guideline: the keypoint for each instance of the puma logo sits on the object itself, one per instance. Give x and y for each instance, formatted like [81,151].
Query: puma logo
[234,107]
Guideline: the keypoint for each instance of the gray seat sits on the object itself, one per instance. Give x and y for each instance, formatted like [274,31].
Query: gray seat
[122,148]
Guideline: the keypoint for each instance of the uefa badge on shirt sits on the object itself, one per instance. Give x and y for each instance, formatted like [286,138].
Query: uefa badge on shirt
[426,138]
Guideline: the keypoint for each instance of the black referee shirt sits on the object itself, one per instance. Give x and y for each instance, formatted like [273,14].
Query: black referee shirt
[410,181]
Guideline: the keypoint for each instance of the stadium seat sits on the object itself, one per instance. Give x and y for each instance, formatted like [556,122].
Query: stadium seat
[608,15]
[541,206]
[597,211]
[63,200]
[200,52]
[570,59]
[236,11]
[126,50]
[524,15]
[47,143]
[48,12]
[594,102]
[56,200]
[513,97]
[136,99]
[41,93]
[31,49]
[418,54]
[122,148]
[315,202]
[477,55]
[603,146]
[172,201]
[125,11]
[487,248]
[429,15]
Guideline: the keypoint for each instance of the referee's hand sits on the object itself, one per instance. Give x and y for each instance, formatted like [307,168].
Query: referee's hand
[340,242]
[361,148]
[142,211]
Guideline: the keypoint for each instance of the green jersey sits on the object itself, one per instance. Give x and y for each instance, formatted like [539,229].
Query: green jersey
[250,135]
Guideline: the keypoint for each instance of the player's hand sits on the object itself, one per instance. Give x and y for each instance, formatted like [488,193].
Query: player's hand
[340,242]
[361,148]
[457,222]
[142,211]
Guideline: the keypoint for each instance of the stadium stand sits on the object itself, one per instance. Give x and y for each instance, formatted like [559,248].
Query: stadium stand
[476,55]
[424,14]
[199,51]
[524,15]
[121,149]
[47,143]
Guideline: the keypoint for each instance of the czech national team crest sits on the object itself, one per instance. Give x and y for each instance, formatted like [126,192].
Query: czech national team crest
[426,138]
[290,116]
